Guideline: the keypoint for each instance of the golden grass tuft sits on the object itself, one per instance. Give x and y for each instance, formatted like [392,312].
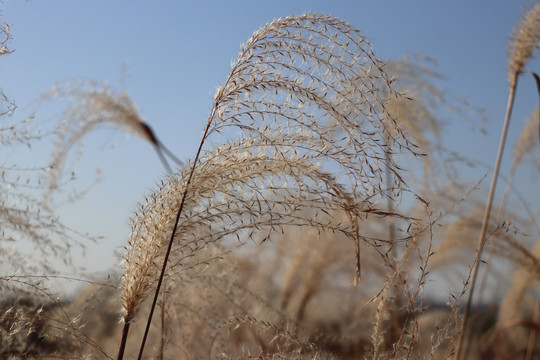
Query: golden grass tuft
[524,41]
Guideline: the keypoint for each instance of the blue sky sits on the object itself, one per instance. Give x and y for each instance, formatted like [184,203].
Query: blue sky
[178,52]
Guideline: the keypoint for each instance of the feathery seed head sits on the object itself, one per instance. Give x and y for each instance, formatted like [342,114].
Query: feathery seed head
[525,39]
[527,143]
[307,97]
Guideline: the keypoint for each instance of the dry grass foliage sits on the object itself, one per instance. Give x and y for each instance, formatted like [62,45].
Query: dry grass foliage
[33,240]
[91,107]
[307,96]
[292,234]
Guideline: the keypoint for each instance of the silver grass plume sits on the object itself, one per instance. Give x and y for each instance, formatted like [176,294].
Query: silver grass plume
[527,144]
[524,41]
[307,97]
[93,106]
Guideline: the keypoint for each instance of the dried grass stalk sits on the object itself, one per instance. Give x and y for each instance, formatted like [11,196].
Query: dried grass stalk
[524,41]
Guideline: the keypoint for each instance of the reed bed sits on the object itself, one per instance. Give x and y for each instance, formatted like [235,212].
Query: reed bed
[295,232]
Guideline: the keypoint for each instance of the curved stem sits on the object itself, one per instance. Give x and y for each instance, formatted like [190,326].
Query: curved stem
[170,154]
[487,212]
[171,239]
[162,158]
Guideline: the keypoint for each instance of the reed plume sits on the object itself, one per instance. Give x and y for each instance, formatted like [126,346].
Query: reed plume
[92,106]
[306,97]
[524,41]
[527,146]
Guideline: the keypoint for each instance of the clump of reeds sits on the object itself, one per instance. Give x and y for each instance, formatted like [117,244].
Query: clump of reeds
[34,245]
[307,97]
[294,188]
[25,221]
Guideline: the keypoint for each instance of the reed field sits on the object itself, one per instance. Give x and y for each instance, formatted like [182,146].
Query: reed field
[315,220]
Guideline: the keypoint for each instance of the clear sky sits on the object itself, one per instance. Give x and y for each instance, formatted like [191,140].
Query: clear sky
[178,52]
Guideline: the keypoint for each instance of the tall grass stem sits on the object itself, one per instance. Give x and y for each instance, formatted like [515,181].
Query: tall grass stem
[173,233]
[482,237]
